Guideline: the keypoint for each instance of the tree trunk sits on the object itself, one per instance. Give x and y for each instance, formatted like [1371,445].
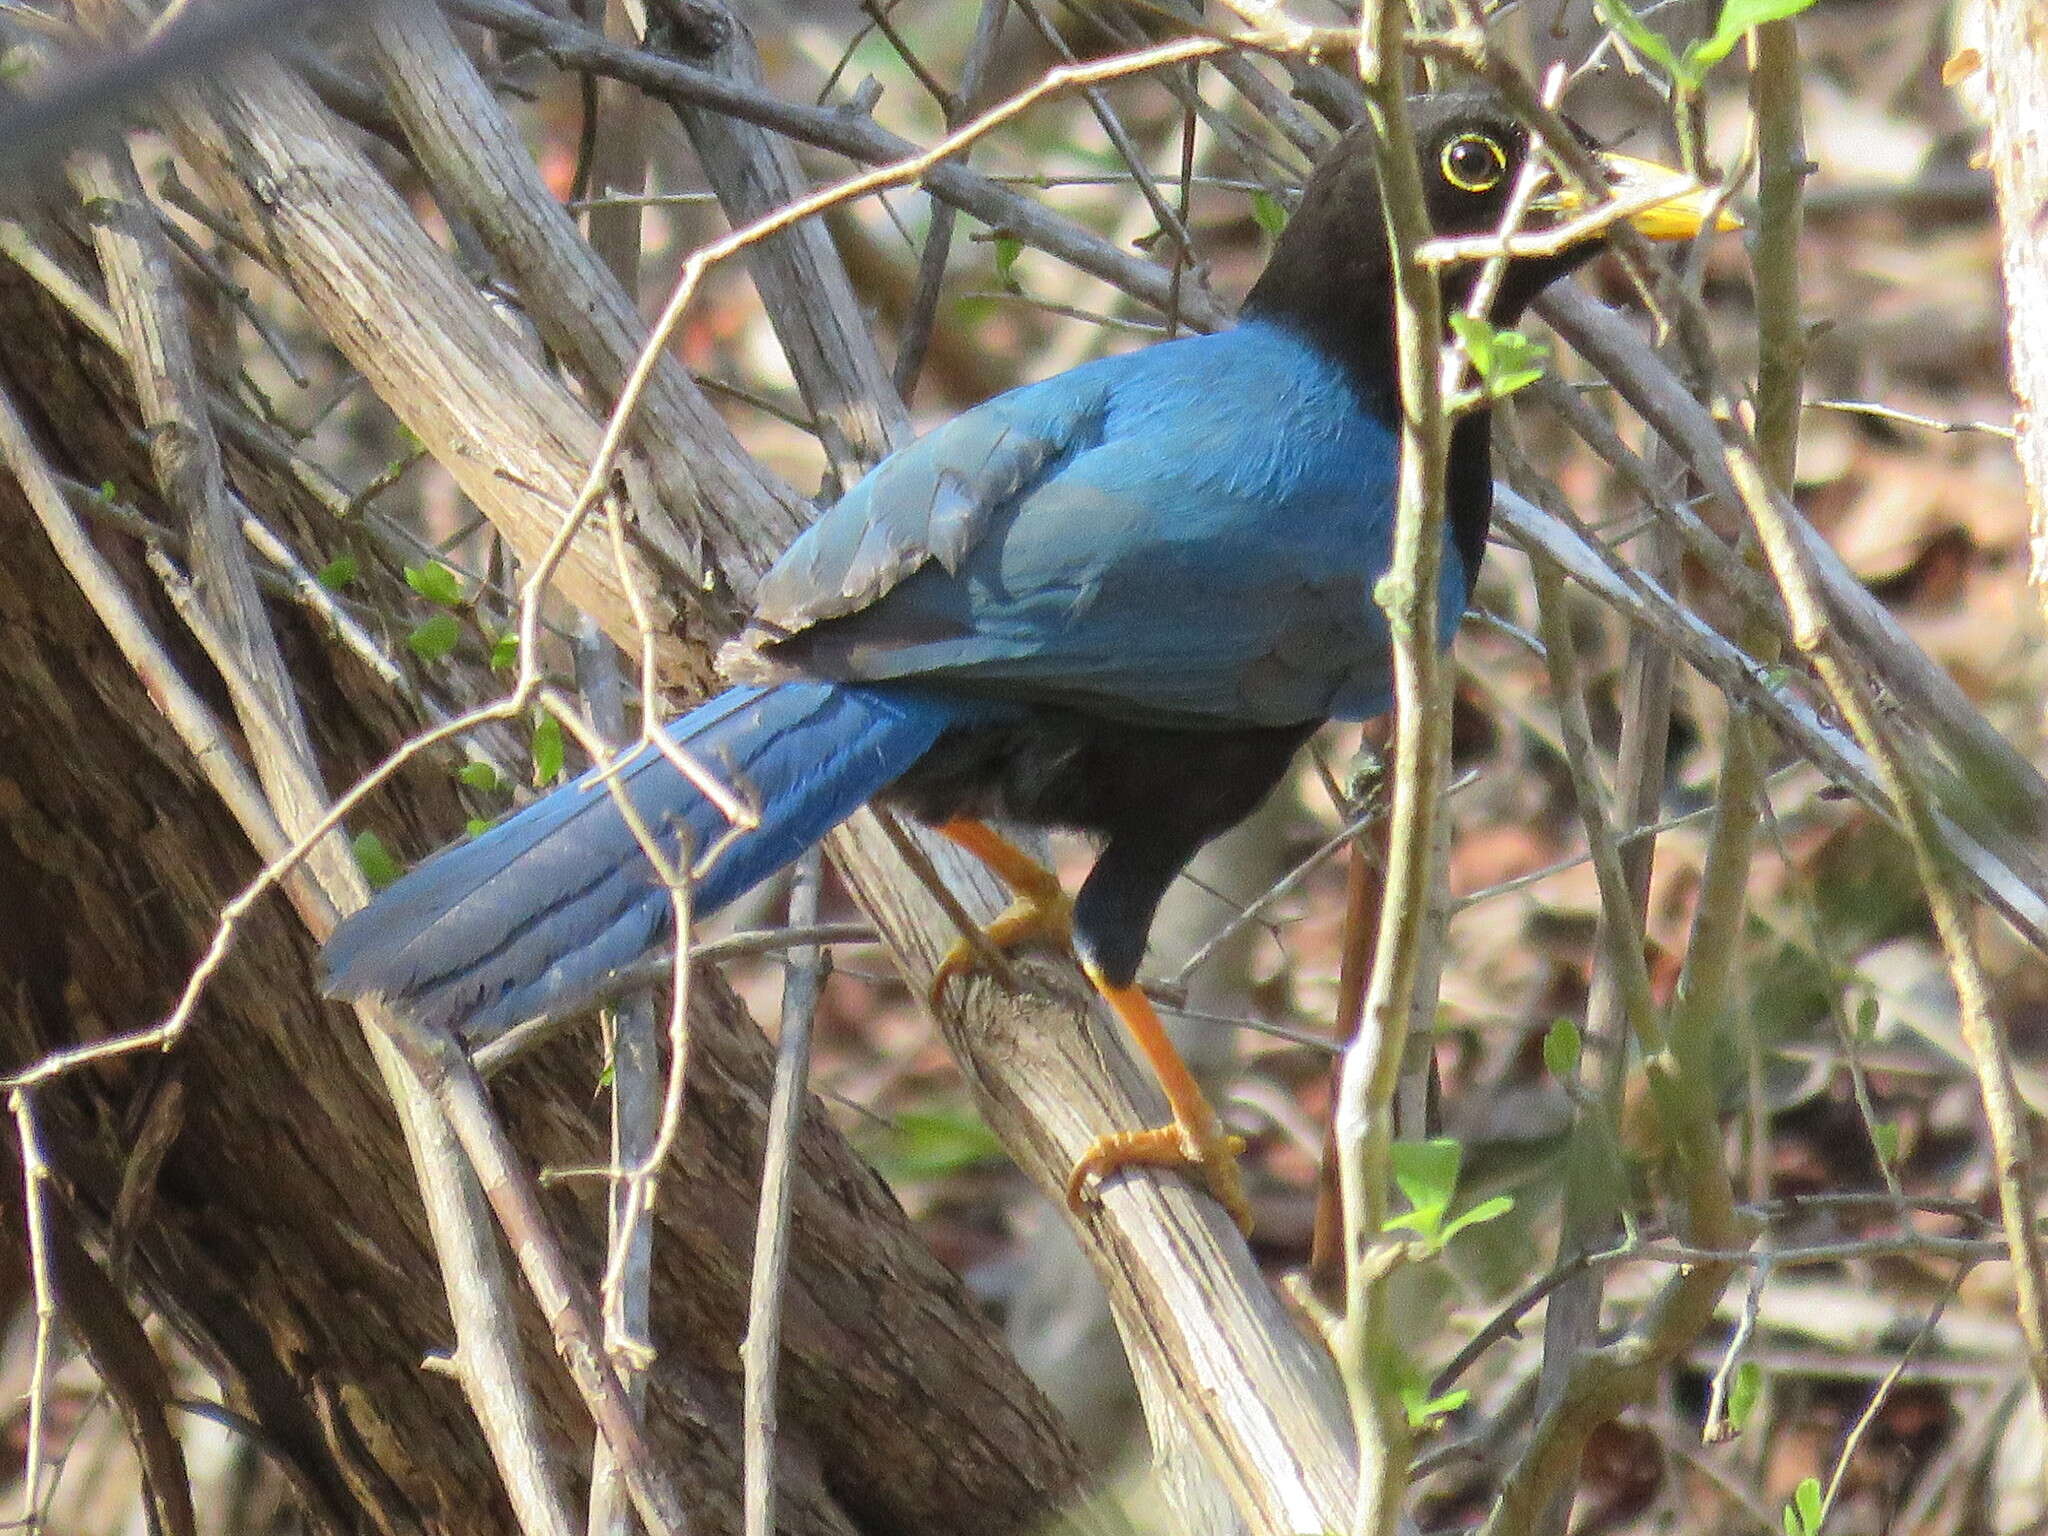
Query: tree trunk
[2016,39]
[282,1232]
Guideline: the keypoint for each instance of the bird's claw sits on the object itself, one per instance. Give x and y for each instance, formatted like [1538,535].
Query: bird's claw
[1213,1156]
[1046,916]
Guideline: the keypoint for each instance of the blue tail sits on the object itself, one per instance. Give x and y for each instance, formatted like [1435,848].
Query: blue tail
[531,917]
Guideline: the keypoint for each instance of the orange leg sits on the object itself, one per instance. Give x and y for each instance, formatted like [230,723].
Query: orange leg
[1196,1140]
[1041,909]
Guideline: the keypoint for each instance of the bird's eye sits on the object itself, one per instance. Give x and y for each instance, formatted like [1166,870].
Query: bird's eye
[1472,162]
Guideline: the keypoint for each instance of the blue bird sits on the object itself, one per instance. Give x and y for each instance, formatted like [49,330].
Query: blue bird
[1115,601]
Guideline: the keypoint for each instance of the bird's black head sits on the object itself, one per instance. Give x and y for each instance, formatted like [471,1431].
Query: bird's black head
[1331,276]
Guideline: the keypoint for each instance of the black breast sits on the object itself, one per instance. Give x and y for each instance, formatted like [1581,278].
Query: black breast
[1056,767]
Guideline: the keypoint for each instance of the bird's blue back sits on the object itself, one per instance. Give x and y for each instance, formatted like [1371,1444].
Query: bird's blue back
[1188,534]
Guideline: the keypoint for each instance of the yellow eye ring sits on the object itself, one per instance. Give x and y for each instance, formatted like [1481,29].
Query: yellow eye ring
[1472,162]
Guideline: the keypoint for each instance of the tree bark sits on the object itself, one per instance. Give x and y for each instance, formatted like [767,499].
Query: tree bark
[2016,59]
[282,1233]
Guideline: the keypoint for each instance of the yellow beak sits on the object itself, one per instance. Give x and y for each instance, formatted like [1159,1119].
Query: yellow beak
[1668,204]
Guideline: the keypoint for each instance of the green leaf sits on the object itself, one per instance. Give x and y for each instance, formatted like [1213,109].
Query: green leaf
[1637,33]
[1425,1224]
[1737,17]
[1268,214]
[436,637]
[374,860]
[547,751]
[1424,1415]
[1745,1392]
[477,826]
[1485,1210]
[1866,1020]
[1427,1171]
[479,776]
[505,652]
[936,1144]
[108,492]
[436,583]
[1805,1508]
[1562,1047]
[1505,360]
[1884,1137]
[338,574]
[1008,249]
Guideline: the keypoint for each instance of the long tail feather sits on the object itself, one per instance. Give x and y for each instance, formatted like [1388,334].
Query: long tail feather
[531,917]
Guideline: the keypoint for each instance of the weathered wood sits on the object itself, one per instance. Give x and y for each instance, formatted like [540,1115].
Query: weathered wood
[2015,62]
[284,1235]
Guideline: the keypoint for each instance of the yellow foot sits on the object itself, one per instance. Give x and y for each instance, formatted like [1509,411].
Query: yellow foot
[1213,1156]
[1046,915]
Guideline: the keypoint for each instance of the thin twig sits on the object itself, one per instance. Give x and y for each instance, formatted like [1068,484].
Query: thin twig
[634,1067]
[1409,592]
[35,1176]
[761,1350]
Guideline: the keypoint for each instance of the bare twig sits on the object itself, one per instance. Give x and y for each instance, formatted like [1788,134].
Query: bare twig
[35,1175]
[1409,593]
[761,1349]
[634,1066]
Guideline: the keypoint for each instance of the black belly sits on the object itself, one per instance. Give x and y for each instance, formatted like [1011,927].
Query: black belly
[1153,795]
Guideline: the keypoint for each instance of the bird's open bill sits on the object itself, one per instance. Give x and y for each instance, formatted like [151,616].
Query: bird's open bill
[1681,211]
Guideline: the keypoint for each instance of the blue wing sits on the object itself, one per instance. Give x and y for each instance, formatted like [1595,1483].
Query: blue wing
[1188,534]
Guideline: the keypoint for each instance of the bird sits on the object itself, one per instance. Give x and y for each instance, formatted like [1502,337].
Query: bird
[1115,601]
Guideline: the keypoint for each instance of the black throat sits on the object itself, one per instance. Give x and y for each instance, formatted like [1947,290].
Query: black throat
[1330,280]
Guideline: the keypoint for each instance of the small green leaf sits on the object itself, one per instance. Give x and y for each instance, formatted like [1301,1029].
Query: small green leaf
[1427,1171]
[547,751]
[436,637]
[1637,33]
[1425,1224]
[936,1144]
[1425,1415]
[1268,214]
[1884,1136]
[479,776]
[1008,249]
[436,583]
[1737,17]
[1562,1046]
[1803,1514]
[1505,360]
[477,826]
[108,492]
[1745,1392]
[1484,1211]
[1866,1020]
[338,574]
[374,860]
[505,652]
